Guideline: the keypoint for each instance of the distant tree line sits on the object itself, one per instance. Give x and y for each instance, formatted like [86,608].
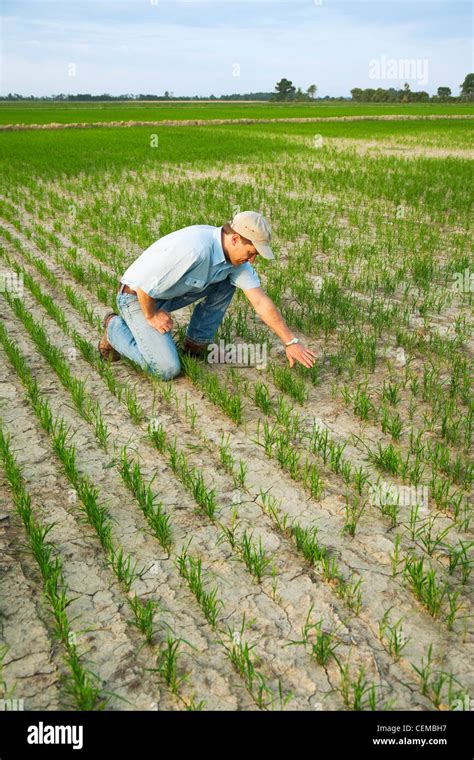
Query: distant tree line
[406,95]
[285,91]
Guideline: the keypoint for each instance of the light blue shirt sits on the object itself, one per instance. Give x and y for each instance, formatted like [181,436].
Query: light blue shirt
[187,261]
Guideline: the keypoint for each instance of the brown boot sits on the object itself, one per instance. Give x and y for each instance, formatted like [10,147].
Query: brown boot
[192,348]
[106,350]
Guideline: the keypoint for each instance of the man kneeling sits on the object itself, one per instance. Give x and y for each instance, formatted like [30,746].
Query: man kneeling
[198,263]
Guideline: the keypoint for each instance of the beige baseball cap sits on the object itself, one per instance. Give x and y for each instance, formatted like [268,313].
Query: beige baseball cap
[254,227]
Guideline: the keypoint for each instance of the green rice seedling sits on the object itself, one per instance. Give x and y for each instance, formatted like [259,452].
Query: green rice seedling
[193,706]
[239,653]
[100,426]
[350,592]
[241,475]
[283,412]
[262,398]
[203,496]
[269,437]
[193,480]
[154,512]
[190,411]
[12,471]
[167,664]
[312,480]
[231,404]
[453,608]
[124,567]
[412,471]
[97,514]
[346,471]
[430,540]
[396,641]
[437,688]
[136,412]
[391,423]
[413,521]
[335,455]
[167,391]
[17,360]
[355,693]
[440,491]
[270,505]
[307,543]
[322,643]
[458,555]
[80,303]
[364,349]
[160,525]
[144,613]
[254,556]
[462,521]
[227,460]
[286,381]
[354,511]
[67,454]
[425,671]
[82,685]
[42,551]
[360,478]
[389,504]
[396,559]
[362,405]
[386,458]
[191,570]
[288,458]
[320,442]
[391,393]
[157,434]
[57,597]
[424,585]
[417,447]
[330,569]
[229,532]
[361,688]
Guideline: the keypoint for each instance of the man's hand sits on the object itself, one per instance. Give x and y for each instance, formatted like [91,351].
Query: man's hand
[268,312]
[161,321]
[301,354]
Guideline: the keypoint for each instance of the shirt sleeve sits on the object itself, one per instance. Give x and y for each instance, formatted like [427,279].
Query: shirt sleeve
[157,271]
[244,277]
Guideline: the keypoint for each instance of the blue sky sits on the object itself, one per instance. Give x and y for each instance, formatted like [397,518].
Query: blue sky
[196,47]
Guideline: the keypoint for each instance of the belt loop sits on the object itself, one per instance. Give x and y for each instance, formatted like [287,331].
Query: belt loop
[122,285]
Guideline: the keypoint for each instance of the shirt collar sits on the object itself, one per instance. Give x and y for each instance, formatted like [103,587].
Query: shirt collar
[218,256]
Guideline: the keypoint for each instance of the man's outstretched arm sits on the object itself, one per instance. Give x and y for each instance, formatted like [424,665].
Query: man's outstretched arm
[268,313]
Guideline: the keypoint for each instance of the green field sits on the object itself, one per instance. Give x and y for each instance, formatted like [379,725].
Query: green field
[97,149]
[43,112]
[240,538]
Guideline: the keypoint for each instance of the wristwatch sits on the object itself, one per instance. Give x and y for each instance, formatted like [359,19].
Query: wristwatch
[290,342]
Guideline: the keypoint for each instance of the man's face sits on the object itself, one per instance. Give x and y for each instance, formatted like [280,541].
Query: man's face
[240,251]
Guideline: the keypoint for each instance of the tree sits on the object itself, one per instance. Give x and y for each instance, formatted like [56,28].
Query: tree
[356,93]
[285,90]
[300,95]
[467,87]
[444,93]
[312,90]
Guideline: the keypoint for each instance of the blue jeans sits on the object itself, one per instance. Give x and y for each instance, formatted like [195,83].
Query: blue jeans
[132,336]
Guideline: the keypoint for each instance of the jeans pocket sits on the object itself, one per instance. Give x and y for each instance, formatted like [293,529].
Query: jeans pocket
[193,282]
